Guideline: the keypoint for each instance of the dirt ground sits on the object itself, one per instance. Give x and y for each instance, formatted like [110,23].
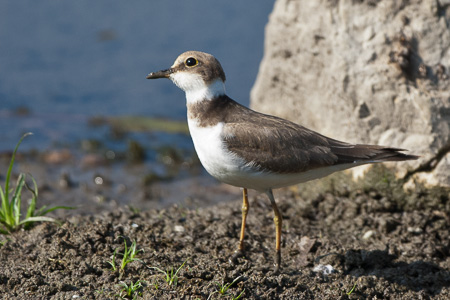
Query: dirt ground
[361,243]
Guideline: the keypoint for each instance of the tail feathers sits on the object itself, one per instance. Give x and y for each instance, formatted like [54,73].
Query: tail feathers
[369,153]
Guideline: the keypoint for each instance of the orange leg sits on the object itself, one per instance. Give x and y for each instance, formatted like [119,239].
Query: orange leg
[278,220]
[244,219]
[239,252]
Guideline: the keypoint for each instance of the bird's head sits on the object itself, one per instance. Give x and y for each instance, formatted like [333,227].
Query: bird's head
[195,72]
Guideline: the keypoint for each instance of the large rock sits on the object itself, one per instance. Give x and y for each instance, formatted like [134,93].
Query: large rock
[363,72]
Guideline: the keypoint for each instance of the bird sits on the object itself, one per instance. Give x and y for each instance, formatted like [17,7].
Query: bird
[252,150]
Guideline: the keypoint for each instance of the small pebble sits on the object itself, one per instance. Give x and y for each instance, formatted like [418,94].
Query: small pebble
[325,269]
[416,230]
[368,234]
[178,228]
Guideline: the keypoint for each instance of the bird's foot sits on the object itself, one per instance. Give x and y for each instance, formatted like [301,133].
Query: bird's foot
[277,263]
[234,258]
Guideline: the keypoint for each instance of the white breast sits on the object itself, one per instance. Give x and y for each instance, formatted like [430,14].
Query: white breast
[215,158]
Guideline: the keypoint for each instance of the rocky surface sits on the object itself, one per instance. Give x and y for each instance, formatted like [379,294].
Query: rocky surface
[363,72]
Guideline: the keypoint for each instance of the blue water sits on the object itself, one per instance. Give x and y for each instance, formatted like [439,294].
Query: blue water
[65,61]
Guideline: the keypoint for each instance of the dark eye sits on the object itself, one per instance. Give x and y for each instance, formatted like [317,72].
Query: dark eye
[190,62]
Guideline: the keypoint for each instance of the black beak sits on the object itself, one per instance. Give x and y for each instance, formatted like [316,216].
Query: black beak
[160,74]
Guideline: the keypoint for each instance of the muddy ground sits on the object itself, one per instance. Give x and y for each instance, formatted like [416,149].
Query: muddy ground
[375,241]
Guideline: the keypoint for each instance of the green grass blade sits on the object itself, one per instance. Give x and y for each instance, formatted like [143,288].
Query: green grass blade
[14,213]
[11,164]
[37,219]
[113,261]
[181,266]
[4,206]
[31,212]
[32,207]
[42,211]
[124,257]
[239,296]
[4,215]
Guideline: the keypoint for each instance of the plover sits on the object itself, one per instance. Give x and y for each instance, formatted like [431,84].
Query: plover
[248,149]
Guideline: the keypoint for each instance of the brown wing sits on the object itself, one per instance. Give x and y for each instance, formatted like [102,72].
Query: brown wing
[277,145]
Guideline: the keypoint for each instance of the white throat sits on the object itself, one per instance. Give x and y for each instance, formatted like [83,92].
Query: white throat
[195,87]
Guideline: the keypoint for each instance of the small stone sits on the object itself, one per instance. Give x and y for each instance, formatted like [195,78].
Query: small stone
[368,234]
[324,269]
[178,228]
